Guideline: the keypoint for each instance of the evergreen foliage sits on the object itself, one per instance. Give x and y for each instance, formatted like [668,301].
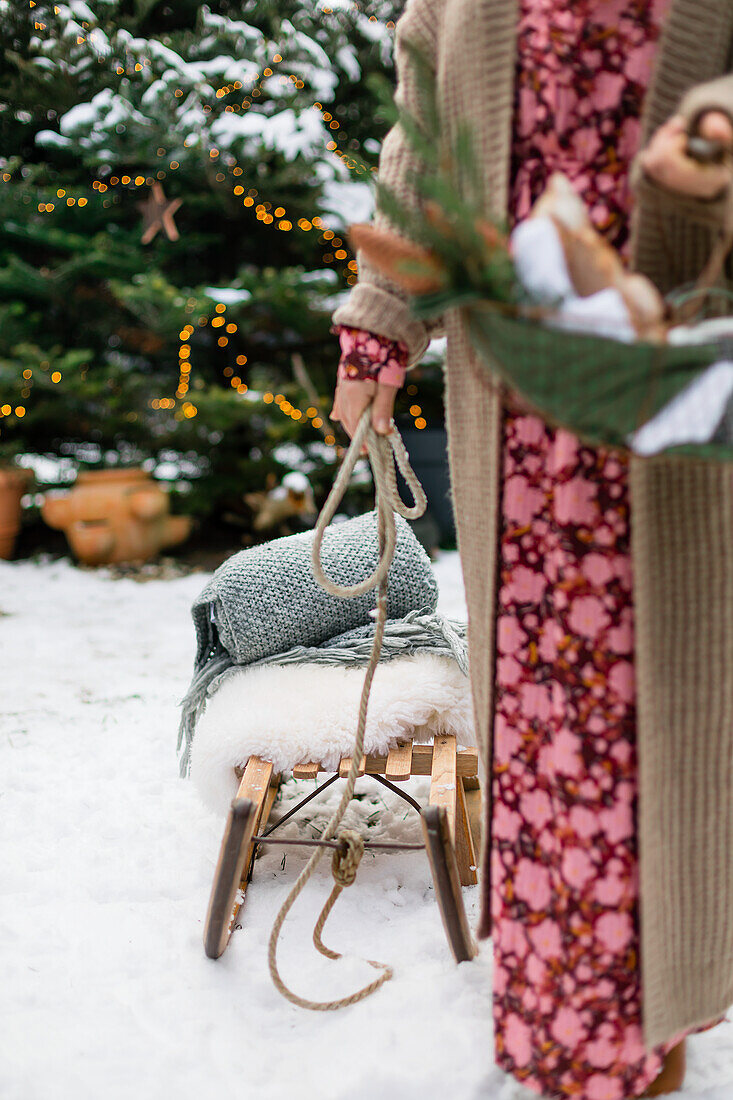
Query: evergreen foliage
[96,104]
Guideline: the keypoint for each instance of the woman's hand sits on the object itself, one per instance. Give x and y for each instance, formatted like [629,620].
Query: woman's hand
[352,397]
[665,159]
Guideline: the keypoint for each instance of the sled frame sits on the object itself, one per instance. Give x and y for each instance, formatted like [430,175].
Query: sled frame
[451,825]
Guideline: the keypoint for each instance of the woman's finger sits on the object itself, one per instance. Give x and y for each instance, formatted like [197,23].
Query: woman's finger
[383,408]
[717,126]
[666,161]
[351,398]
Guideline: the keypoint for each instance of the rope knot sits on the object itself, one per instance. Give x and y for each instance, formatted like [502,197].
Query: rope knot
[347,857]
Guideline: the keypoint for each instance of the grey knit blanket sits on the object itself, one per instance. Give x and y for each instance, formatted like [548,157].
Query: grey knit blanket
[264,606]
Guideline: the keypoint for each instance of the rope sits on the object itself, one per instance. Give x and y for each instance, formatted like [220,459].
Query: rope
[383,452]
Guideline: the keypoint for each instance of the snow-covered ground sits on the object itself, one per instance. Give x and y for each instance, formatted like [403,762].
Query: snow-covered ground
[105,868]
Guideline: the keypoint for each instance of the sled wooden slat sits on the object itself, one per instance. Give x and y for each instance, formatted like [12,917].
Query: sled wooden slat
[466,856]
[255,780]
[269,800]
[422,760]
[306,771]
[398,768]
[444,779]
[474,808]
[345,766]
[441,853]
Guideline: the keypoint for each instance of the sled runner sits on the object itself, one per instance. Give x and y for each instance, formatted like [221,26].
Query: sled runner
[450,824]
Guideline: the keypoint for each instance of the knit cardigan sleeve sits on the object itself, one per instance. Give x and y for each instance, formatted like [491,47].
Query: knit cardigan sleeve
[375,302]
[675,234]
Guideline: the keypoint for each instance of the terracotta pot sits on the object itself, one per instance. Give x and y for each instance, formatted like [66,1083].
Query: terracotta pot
[12,486]
[112,516]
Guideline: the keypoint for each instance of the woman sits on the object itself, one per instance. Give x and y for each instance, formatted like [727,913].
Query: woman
[604,704]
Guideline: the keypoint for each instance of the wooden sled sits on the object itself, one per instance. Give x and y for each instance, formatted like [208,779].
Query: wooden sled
[451,825]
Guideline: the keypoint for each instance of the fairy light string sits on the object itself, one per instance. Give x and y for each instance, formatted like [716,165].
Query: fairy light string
[265,212]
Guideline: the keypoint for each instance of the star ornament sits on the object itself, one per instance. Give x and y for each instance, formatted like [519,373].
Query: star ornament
[158,213]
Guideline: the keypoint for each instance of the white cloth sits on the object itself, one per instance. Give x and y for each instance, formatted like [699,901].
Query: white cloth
[540,264]
[691,417]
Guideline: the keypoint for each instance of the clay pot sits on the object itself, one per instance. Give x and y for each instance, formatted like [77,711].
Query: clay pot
[112,516]
[12,486]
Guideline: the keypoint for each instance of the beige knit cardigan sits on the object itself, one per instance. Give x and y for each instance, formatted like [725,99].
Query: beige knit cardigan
[682,510]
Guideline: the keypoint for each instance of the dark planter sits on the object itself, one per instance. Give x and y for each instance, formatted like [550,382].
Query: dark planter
[428,451]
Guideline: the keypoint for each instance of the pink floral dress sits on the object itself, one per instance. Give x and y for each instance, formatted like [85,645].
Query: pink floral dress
[564,858]
[564,899]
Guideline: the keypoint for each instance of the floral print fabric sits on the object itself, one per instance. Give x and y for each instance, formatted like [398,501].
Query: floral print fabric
[564,854]
[367,356]
[583,70]
[564,859]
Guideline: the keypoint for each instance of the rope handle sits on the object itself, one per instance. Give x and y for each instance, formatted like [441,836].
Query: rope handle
[380,451]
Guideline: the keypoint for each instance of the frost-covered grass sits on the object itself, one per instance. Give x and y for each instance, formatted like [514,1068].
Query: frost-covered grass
[107,859]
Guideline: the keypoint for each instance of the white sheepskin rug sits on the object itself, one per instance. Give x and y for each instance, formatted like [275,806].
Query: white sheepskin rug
[292,714]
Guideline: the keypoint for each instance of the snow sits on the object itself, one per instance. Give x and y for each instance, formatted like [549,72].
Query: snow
[227,295]
[49,138]
[346,59]
[107,863]
[224,25]
[347,201]
[288,132]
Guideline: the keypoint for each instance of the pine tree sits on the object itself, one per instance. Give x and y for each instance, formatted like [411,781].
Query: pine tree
[262,118]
